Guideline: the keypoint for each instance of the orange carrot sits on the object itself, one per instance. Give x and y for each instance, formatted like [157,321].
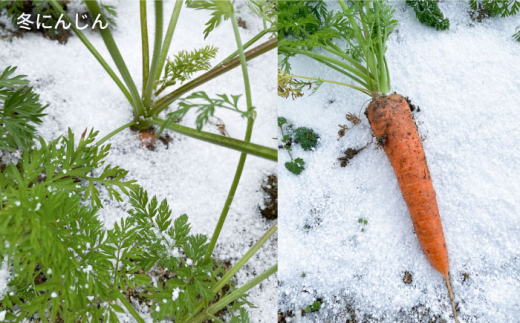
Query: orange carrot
[147,138]
[392,122]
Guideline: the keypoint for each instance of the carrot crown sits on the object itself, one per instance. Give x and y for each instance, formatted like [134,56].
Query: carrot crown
[361,27]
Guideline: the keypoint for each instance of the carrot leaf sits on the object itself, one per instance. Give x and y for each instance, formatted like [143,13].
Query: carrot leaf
[428,13]
[351,41]
[220,10]
[504,8]
[205,107]
[20,111]
[184,64]
[516,36]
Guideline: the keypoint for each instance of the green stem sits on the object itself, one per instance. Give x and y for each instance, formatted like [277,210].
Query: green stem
[288,150]
[115,132]
[106,34]
[168,38]
[335,50]
[370,55]
[144,42]
[383,81]
[93,50]
[367,92]
[348,67]
[361,40]
[389,83]
[147,95]
[342,71]
[245,258]
[235,144]
[243,156]
[130,308]
[166,100]
[224,301]
[246,46]
[164,87]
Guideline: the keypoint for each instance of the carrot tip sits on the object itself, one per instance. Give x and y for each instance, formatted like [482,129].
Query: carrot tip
[451,298]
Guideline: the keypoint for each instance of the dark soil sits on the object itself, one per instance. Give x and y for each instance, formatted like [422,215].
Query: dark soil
[149,140]
[407,279]
[381,141]
[313,221]
[349,154]
[412,106]
[288,144]
[282,316]
[270,188]
[479,15]
[241,23]
[351,310]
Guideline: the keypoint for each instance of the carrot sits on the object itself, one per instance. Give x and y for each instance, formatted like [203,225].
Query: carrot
[147,138]
[370,23]
[392,123]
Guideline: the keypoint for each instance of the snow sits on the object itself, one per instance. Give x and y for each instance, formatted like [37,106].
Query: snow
[5,278]
[466,83]
[193,176]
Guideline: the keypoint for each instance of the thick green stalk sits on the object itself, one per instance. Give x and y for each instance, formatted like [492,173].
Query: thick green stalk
[384,77]
[168,38]
[148,91]
[93,50]
[389,83]
[224,301]
[166,100]
[243,156]
[115,132]
[245,258]
[106,34]
[370,55]
[144,42]
[235,144]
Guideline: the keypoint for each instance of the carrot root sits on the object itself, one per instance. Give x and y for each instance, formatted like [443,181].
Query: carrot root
[451,298]
[393,125]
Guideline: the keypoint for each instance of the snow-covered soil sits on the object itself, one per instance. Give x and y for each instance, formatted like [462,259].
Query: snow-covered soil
[192,175]
[466,82]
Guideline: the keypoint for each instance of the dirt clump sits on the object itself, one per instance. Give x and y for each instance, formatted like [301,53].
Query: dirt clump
[407,279]
[350,153]
[270,188]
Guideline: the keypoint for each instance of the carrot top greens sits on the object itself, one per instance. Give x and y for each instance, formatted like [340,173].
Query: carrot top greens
[351,40]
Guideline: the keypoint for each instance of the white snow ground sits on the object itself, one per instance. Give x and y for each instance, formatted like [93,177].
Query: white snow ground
[466,82]
[194,176]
